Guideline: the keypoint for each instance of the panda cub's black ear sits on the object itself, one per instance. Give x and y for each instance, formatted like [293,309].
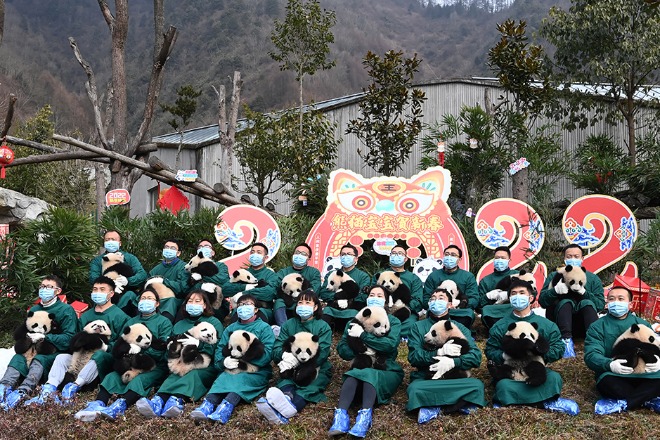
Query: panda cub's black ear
[535,325]
[512,326]
[398,274]
[315,338]
[634,328]
[340,273]
[291,339]
[246,335]
[30,314]
[366,313]
[235,274]
[448,325]
[568,268]
[127,330]
[51,316]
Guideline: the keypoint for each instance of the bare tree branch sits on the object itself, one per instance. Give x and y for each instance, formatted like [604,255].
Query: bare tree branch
[235,103]
[57,157]
[222,110]
[90,86]
[34,145]
[10,114]
[105,10]
[2,19]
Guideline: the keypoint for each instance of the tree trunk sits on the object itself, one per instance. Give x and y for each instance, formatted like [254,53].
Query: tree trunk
[227,128]
[99,178]
[2,19]
[520,185]
[630,121]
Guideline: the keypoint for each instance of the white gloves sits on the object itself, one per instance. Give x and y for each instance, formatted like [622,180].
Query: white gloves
[120,284]
[234,299]
[190,341]
[653,367]
[581,290]
[443,365]
[497,295]
[342,303]
[355,330]
[616,366]
[160,280]
[196,276]
[288,361]
[230,363]
[450,349]
[208,287]
[561,288]
[135,349]
[250,287]
[36,337]
[104,347]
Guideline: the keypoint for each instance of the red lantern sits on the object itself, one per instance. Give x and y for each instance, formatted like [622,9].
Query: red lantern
[6,157]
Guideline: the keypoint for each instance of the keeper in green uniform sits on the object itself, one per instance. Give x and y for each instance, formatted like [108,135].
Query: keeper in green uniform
[435,397]
[493,302]
[288,398]
[221,279]
[264,292]
[570,314]
[398,260]
[123,285]
[465,281]
[173,274]
[67,326]
[169,400]
[140,386]
[101,362]
[376,386]
[301,256]
[512,392]
[615,381]
[337,317]
[229,389]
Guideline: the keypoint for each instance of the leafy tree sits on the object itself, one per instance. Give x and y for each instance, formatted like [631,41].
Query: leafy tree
[611,45]
[182,112]
[65,184]
[601,165]
[391,111]
[270,153]
[303,41]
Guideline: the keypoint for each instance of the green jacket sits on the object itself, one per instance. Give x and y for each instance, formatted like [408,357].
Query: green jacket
[489,282]
[220,279]
[134,283]
[116,320]
[465,281]
[174,276]
[593,295]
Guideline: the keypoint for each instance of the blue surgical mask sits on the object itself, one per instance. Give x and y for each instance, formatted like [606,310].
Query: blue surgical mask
[397,260]
[147,306]
[111,246]
[207,252]
[347,261]
[46,294]
[99,298]
[575,262]
[169,254]
[195,309]
[438,306]
[245,312]
[374,301]
[304,311]
[519,302]
[449,262]
[501,264]
[299,260]
[618,308]
[256,259]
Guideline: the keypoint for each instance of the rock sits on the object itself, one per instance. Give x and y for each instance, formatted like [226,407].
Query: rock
[17,208]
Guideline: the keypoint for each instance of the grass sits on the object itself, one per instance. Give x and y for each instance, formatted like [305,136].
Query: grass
[390,421]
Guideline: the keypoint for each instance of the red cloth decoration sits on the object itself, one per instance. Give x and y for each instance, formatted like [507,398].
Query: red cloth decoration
[6,157]
[174,200]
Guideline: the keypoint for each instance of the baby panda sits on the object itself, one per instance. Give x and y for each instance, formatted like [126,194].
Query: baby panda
[375,322]
[244,347]
[304,346]
[505,284]
[181,359]
[291,287]
[523,349]
[113,266]
[129,359]
[199,266]
[94,336]
[399,294]
[575,278]
[243,276]
[638,345]
[441,333]
[157,285]
[38,324]
[344,287]
[458,299]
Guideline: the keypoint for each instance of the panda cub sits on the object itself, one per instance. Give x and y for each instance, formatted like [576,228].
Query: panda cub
[199,266]
[181,359]
[113,266]
[39,322]
[129,359]
[245,347]
[291,287]
[575,278]
[94,336]
[374,321]
[400,296]
[441,333]
[304,346]
[523,349]
[505,284]
[458,299]
[243,276]
[638,345]
[344,287]
[157,285]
